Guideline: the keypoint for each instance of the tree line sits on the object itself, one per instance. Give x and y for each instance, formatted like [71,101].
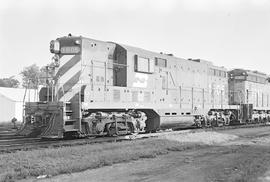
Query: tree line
[32,77]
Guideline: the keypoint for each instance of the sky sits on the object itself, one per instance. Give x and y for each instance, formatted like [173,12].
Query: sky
[229,33]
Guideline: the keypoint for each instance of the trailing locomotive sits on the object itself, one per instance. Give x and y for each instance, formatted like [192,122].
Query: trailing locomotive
[251,90]
[106,88]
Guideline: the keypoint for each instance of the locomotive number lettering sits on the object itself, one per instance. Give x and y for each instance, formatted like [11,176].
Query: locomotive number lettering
[70,50]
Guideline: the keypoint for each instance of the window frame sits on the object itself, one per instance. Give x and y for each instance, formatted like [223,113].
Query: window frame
[150,64]
[157,60]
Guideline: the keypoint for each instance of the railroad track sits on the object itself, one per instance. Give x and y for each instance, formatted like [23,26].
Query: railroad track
[17,143]
[10,136]
[239,126]
[37,143]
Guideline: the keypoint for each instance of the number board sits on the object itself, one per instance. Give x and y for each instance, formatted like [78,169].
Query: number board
[240,77]
[70,50]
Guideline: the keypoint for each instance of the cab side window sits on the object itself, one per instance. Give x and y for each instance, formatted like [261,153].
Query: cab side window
[144,65]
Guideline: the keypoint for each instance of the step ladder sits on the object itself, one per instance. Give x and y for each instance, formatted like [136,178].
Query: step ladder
[69,122]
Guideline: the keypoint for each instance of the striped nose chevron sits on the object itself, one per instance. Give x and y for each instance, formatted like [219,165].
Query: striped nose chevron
[68,77]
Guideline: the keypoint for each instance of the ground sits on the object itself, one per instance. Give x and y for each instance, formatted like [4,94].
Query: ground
[244,158]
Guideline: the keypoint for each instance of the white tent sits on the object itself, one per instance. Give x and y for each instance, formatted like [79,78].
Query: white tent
[11,102]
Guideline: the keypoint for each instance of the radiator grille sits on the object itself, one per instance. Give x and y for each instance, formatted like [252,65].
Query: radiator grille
[134,96]
[147,97]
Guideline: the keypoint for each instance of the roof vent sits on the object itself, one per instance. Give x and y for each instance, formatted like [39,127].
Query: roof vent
[195,60]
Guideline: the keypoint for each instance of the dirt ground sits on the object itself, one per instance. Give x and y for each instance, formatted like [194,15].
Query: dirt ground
[246,158]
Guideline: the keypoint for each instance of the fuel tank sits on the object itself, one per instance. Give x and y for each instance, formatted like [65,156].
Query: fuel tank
[177,122]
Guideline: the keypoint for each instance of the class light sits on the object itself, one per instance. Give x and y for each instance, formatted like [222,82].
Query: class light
[77,42]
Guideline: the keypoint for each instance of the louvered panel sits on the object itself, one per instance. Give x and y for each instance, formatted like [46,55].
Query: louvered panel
[135,96]
[116,95]
[147,97]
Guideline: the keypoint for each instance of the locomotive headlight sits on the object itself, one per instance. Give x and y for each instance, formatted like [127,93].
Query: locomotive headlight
[77,42]
[54,46]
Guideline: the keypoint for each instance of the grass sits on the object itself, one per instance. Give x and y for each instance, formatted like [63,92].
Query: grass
[247,164]
[26,164]
[254,164]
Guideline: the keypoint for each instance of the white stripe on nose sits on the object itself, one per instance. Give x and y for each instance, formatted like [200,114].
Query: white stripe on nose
[64,59]
[69,74]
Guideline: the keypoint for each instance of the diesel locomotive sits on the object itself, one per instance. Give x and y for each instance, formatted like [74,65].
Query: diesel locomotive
[106,88]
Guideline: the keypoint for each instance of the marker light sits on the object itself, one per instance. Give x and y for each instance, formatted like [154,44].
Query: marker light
[77,42]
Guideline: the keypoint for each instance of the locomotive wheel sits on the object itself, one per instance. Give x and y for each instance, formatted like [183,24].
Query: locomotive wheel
[214,123]
[203,123]
[110,129]
[227,122]
[223,122]
[121,129]
[199,125]
[208,123]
